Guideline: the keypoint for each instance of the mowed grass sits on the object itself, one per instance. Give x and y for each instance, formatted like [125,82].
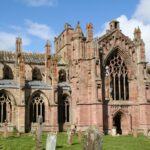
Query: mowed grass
[26,142]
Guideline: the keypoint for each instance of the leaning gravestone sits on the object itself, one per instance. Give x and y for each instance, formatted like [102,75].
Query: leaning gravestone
[39,134]
[51,141]
[70,136]
[92,139]
[5,129]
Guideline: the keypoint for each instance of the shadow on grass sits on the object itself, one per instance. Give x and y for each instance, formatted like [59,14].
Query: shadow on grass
[59,147]
[1,147]
[75,143]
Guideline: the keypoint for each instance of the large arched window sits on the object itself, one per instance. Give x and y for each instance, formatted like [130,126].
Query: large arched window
[116,73]
[37,108]
[62,75]
[36,74]
[7,73]
[5,107]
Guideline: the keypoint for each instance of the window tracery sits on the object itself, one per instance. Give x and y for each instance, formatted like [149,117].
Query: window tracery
[117,74]
[37,108]
[5,108]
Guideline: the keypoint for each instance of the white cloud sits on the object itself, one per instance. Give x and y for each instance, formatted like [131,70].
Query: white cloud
[128,25]
[142,11]
[8,40]
[27,32]
[40,30]
[141,18]
[37,3]
[16,28]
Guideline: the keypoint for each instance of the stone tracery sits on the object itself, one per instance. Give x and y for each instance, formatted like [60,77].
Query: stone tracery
[117,74]
[5,108]
[37,108]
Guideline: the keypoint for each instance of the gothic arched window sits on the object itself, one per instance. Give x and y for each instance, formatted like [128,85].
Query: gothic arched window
[37,108]
[36,74]
[65,108]
[7,73]
[62,75]
[5,107]
[117,74]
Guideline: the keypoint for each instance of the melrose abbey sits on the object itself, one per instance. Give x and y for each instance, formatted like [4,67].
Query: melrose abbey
[102,82]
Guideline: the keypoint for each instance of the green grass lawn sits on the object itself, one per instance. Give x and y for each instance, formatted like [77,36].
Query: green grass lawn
[26,142]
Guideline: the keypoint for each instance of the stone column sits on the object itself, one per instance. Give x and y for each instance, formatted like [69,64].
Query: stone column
[21,118]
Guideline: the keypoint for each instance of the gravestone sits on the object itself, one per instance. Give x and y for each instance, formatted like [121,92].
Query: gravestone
[71,131]
[5,129]
[51,141]
[16,132]
[135,135]
[39,134]
[33,133]
[148,134]
[70,136]
[114,131]
[79,135]
[92,139]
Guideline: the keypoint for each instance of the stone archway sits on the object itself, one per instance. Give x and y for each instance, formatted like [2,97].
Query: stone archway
[37,105]
[64,115]
[120,122]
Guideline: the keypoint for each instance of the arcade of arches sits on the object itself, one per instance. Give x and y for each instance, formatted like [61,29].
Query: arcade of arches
[78,84]
[5,107]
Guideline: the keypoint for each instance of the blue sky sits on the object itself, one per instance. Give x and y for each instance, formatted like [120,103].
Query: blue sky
[39,20]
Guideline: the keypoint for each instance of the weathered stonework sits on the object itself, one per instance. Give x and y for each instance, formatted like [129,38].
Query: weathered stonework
[66,88]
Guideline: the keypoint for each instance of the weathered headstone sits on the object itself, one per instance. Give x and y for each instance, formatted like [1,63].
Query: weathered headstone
[39,134]
[16,132]
[135,135]
[70,136]
[79,135]
[73,128]
[92,139]
[114,131]
[148,134]
[5,129]
[71,131]
[33,133]
[51,141]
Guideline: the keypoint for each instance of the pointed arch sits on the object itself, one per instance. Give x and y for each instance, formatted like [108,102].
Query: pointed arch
[117,75]
[7,103]
[64,110]
[62,75]
[123,54]
[120,122]
[7,72]
[36,74]
[37,104]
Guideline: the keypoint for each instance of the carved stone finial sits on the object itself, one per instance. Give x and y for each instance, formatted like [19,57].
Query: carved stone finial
[89,30]
[48,48]
[18,45]
[137,33]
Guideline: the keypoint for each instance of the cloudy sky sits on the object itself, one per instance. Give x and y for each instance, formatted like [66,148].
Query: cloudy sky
[37,21]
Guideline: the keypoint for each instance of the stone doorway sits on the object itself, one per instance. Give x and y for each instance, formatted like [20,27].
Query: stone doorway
[117,123]
[120,122]
[63,112]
